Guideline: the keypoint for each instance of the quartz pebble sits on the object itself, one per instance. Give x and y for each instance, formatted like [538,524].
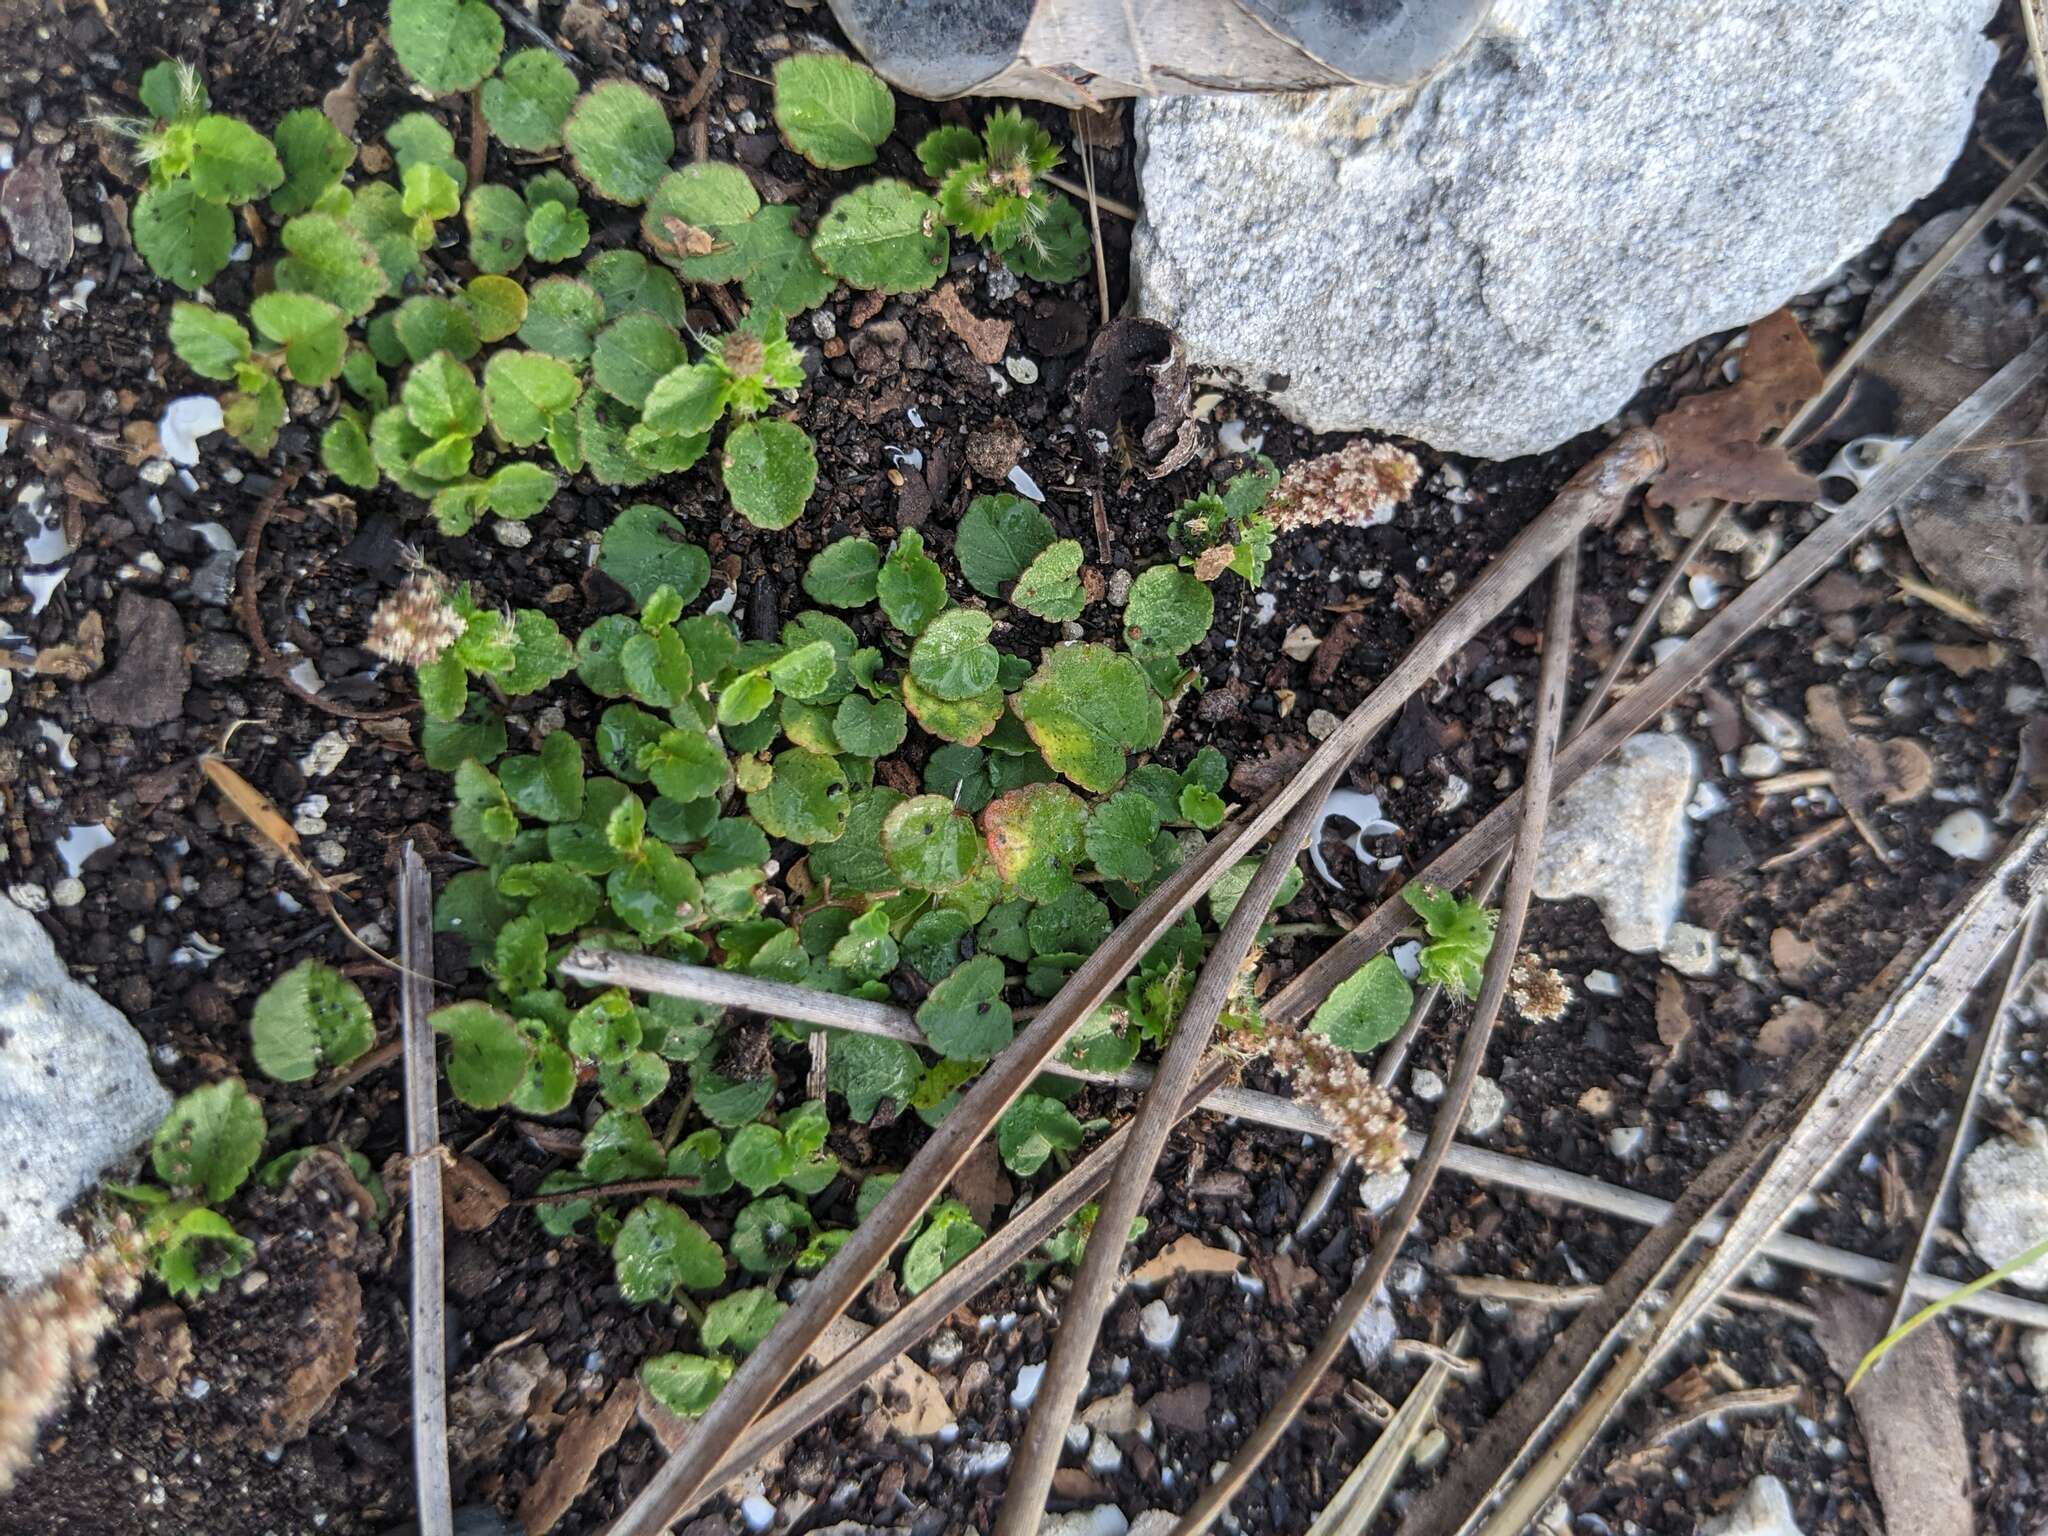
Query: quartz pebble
[1157,1326]
[1964,834]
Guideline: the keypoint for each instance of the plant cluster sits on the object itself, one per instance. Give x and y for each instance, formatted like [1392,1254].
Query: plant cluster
[752,804]
[1228,530]
[436,381]
[992,188]
[1368,1008]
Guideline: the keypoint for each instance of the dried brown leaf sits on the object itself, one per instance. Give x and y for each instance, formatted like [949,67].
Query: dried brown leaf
[472,1194]
[588,1433]
[987,340]
[1712,444]
[76,662]
[1186,1255]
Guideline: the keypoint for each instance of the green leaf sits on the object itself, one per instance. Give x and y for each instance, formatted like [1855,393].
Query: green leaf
[547,786]
[644,549]
[441,399]
[200,1251]
[332,260]
[767,1234]
[1169,612]
[910,584]
[621,141]
[841,575]
[516,492]
[184,238]
[428,194]
[173,91]
[420,138]
[945,149]
[699,219]
[210,1140]
[619,1146]
[1231,885]
[998,538]
[556,233]
[833,111]
[345,451]
[965,1016]
[929,844]
[525,391]
[870,728]
[309,329]
[426,325]
[965,721]
[949,1235]
[770,470]
[632,353]
[805,801]
[660,1250]
[1055,247]
[1120,834]
[446,45]
[1461,934]
[562,899]
[685,764]
[232,162]
[782,274]
[496,219]
[952,658]
[1032,1129]
[527,102]
[854,862]
[606,1028]
[1202,807]
[868,1071]
[868,951]
[685,1385]
[1074,922]
[757,1157]
[496,305]
[488,1055]
[1084,707]
[1051,585]
[626,281]
[741,1320]
[314,154]
[634,1081]
[562,318]
[519,957]
[1036,836]
[1367,1008]
[253,415]
[687,400]
[540,652]
[310,1017]
[887,237]
[214,345]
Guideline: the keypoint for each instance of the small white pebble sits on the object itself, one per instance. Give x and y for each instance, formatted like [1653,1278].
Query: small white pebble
[1322,725]
[1759,760]
[1964,834]
[1027,1385]
[68,892]
[1504,690]
[1119,587]
[511,535]
[1103,1456]
[323,757]
[757,1512]
[1157,1326]
[1627,1141]
[1426,1085]
[1022,369]
[1603,984]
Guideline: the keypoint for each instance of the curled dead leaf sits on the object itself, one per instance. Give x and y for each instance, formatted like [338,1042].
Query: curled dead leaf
[75,662]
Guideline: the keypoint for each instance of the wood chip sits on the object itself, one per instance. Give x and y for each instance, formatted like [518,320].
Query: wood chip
[1910,1411]
[586,1435]
[1674,1018]
[1186,1255]
[988,340]
[471,1194]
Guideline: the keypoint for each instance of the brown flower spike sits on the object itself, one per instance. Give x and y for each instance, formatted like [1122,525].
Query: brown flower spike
[415,624]
[1364,1121]
[1359,485]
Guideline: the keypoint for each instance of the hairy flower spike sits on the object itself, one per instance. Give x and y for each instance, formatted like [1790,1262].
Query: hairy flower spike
[1364,1121]
[415,624]
[47,1340]
[744,353]
[1359,485]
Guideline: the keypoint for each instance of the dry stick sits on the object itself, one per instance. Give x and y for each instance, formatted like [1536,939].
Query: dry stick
[1592,496]
[1829,1121]
[1095,1280]
[2035,17]
[1357,1502]
[422,1147]
[1443,1130]
[1978,1066]
[1108,204]
[1643,703]
[669,978]
[930,1307]
[1094,216]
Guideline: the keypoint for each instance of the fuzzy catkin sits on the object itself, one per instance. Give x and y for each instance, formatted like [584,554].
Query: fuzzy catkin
[47,1340]
[415,624]
[1359,485]
[1363,1119]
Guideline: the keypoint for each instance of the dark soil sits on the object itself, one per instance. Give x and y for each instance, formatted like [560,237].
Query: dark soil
[184,919]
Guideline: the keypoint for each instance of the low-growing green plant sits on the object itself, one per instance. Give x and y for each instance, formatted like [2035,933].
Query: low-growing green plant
[310,1017]
[1228,530]
[992,188]
[203,1152]
[1368,1008]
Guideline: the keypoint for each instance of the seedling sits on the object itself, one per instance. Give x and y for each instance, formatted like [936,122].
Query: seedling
[1368,1008]
[204,1151]
[1228,530]
[992,189]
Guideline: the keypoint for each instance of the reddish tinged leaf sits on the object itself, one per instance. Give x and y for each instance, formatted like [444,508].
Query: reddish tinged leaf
[1711,441]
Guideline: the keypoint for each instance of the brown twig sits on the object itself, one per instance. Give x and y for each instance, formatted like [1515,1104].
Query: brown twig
[697,105]
[1095,1279]
[479,139]
[1755,606]
[1500,960]
[422,1145]
[522,22]
[1094,217]
[1593,496]
[1107,203]
[616,1191]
